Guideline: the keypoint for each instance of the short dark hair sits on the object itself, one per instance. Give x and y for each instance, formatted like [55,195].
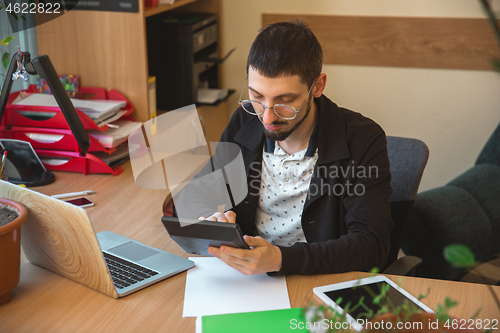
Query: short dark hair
[286,48]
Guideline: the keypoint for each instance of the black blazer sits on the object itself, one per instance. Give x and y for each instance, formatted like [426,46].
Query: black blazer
[347,216]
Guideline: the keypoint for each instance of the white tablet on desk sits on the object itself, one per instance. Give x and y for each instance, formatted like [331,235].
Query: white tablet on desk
[338,295]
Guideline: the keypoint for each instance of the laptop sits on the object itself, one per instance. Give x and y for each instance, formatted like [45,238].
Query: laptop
[59,236]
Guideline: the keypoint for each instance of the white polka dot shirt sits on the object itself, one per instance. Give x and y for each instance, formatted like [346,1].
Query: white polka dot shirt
[284,185]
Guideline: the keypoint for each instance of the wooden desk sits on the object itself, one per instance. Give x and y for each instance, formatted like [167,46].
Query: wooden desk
[46,302]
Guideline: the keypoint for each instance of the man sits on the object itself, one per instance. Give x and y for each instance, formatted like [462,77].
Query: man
[318,175]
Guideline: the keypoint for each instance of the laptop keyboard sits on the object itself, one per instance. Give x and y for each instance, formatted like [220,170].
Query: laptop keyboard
[125,273]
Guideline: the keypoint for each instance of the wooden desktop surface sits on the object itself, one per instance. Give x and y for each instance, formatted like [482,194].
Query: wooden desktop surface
[46,302]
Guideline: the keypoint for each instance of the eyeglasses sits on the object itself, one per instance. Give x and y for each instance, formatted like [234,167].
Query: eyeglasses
[281,110]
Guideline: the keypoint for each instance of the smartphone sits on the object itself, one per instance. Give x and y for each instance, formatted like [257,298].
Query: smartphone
[80,202]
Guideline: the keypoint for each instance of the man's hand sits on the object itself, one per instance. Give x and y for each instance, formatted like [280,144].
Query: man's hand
[262,258]
[229,217]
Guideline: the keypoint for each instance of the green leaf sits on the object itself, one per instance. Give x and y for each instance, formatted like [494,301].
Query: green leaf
[7,40]
[347,307]
[5,60]
[374,270]
[476,314]
[459,256]
[385,309]
[420,297]
[450,303]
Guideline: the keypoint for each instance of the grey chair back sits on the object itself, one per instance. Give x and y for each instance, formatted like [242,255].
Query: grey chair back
[407,158]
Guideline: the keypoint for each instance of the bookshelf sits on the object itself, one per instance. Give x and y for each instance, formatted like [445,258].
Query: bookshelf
[109,50]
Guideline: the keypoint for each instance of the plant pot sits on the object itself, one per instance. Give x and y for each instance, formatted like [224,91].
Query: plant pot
[10,250]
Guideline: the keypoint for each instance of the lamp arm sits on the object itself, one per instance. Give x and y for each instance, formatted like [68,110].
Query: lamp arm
[7,84]
[46,70]
[43,66]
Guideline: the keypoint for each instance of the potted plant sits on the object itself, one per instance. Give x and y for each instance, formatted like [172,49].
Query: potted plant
[12,216]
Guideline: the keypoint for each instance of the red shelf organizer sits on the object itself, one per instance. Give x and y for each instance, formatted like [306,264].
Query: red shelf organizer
[67,141]
[76,163]
[13,117]
[66,149]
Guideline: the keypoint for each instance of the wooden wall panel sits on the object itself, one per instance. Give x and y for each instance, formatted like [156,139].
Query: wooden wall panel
[106,49]
[452,43]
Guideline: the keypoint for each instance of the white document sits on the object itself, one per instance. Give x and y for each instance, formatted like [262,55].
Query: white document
[212,288]
[95,109]
[166,2]
[116,135]
[111,119]
[198,325]
[210,96]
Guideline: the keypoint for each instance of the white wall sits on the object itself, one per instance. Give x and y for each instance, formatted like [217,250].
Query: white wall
[26,39]
[452,111]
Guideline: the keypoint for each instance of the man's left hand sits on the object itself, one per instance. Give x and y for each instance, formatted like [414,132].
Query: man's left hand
[262,258]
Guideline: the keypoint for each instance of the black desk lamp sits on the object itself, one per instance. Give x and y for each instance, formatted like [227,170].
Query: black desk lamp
[20,66]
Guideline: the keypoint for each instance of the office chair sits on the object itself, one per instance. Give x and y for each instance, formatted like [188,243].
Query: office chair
[407,158]
[464,211]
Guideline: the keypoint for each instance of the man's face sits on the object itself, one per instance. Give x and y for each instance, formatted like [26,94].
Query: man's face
[287,90]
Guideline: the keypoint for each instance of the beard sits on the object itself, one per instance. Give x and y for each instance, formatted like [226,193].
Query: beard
[283,135]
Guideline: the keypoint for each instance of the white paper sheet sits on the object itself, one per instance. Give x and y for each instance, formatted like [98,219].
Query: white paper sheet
[199,325]
[213,288]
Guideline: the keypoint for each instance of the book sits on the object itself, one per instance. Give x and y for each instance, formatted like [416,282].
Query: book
[71,84]
[274,321]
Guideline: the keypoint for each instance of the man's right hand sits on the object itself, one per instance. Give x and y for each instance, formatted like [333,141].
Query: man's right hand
[229,217]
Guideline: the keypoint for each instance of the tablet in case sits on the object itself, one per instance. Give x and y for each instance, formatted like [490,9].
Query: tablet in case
[195,236]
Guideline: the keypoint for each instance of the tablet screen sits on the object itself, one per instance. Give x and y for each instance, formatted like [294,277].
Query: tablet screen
[22,163]
[354,294]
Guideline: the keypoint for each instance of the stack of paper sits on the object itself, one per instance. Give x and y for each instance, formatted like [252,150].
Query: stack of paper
[102,112]
[120,155]
[97,110]
[115,135]
[210,96]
